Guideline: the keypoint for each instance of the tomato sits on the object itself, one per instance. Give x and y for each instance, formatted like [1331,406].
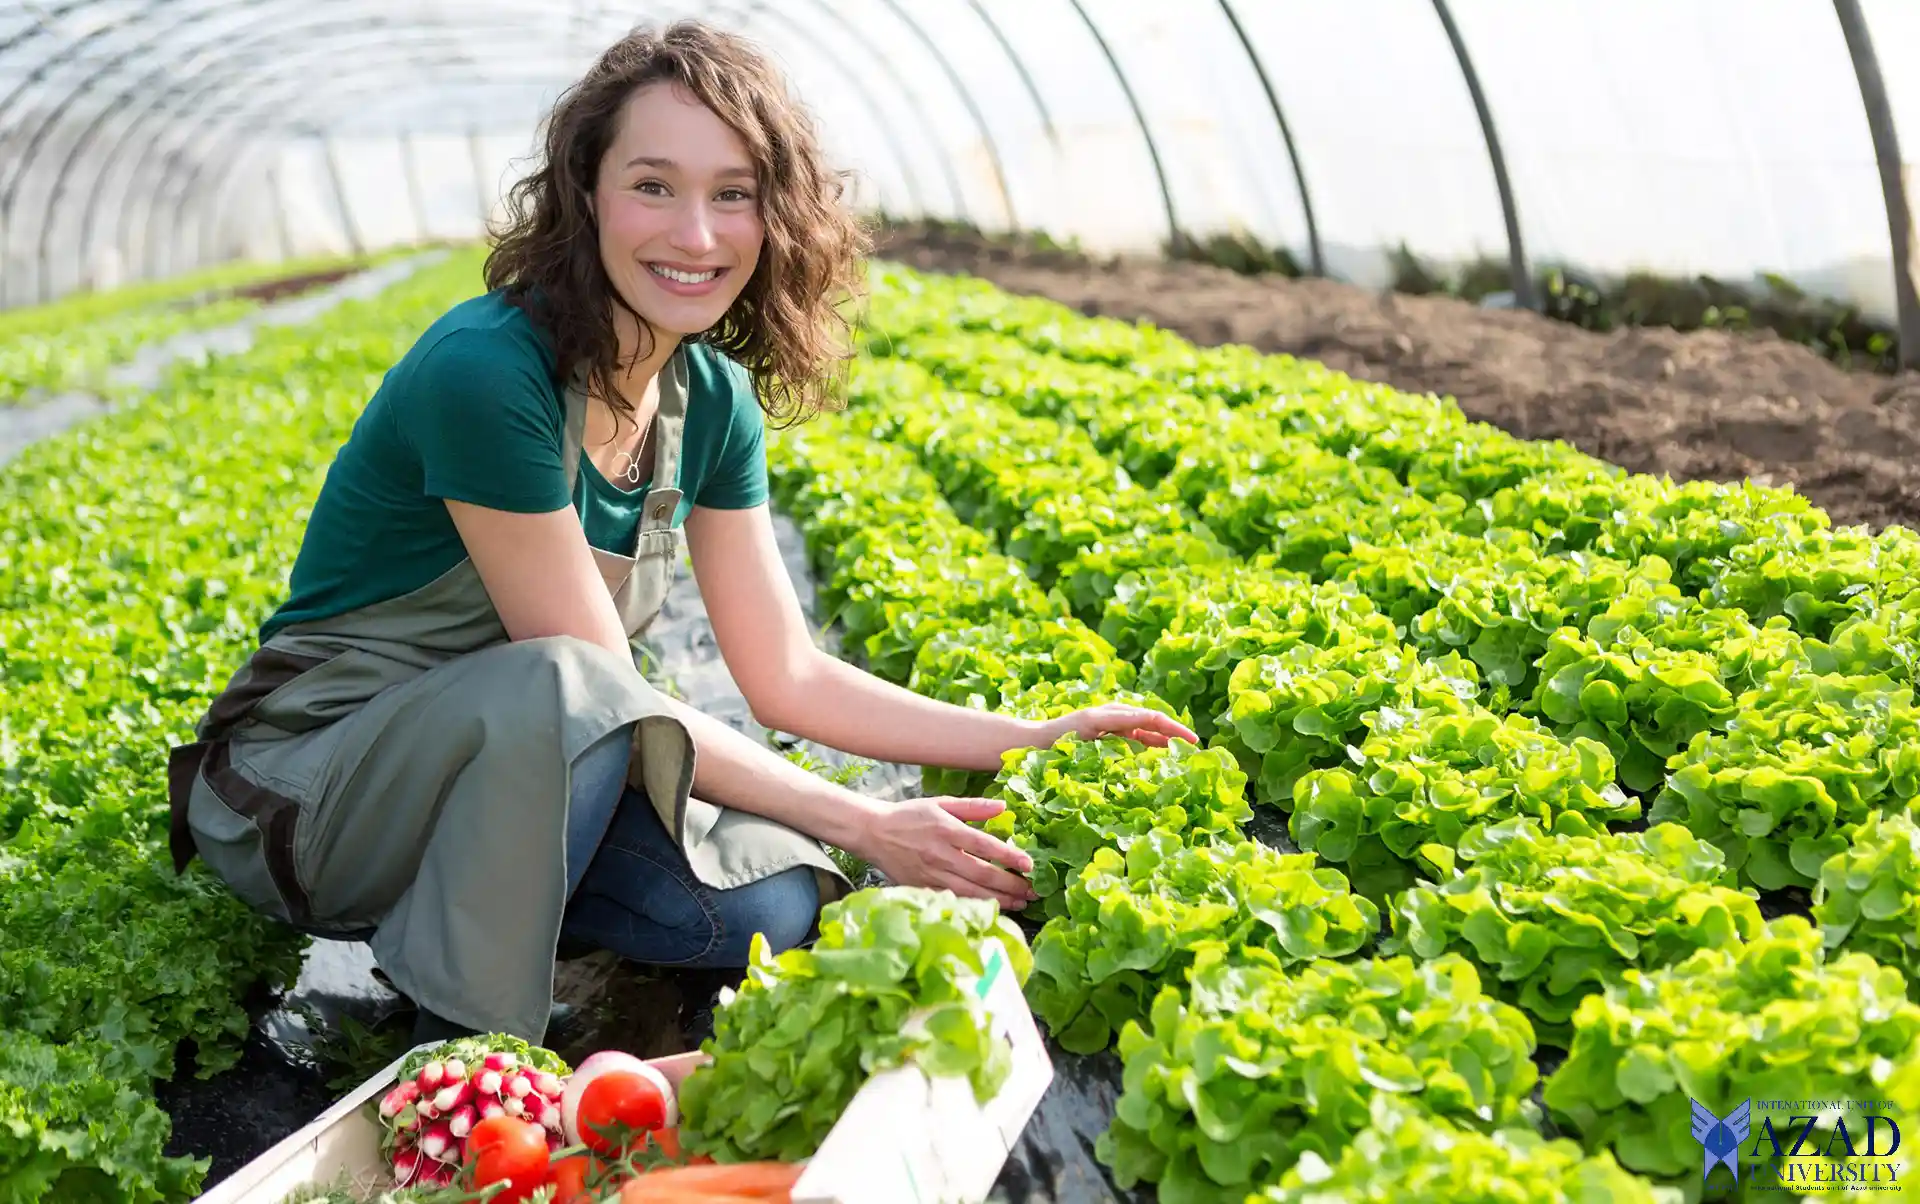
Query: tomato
[569,1179]
[619,1108]
[507,1149]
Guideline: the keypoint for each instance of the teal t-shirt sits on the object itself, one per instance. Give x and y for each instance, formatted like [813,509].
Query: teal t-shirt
[473,413]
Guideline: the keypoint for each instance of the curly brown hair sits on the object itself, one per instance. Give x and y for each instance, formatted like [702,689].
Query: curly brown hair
[787,328]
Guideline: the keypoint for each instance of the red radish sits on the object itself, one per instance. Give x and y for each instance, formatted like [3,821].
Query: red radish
[431,1074]
[462,1121]
[490,1108]
[452,1097]
[549,1085]
[501,1061]
[488,1082]
[516,1106]
[437,1143]
[545,1113]
[406,1164]
[641,1098]
[520,1085]
[398,1099]
[454,1069]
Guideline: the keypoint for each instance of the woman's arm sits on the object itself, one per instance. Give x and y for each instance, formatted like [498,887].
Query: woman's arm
[794,686]
[542,580]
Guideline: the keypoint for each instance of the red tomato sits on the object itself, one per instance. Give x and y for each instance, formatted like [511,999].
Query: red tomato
[569,1179]
[615,1101]
[510,1150]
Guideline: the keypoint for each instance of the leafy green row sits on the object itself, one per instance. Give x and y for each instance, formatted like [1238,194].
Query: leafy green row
[82,309]
[1554,918]
[1868,896]
[1772,1017]
[1559,585]
[1408,1156]
[69,344]
[121,613]
[70,1132]
[1253,1065]
[78,358]
[1132,920]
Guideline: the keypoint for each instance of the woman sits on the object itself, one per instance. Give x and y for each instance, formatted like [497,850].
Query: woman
[444,744]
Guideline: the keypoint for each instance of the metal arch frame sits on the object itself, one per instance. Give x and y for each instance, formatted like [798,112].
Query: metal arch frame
[878,112]
[53,119]
[160,97]
[1893,188]
[71,49]
[1316,259]
[1522,278]
[189,194]
[168,186]
[1177,238]
[205,88]
[157,32]
[973,109]
[956,193]
[1020,68]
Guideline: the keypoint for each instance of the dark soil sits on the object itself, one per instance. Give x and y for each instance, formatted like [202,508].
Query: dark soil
[286,286]
[1701,405]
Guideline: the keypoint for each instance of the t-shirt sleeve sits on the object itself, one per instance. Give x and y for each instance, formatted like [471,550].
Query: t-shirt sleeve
[739,479]
[481,417]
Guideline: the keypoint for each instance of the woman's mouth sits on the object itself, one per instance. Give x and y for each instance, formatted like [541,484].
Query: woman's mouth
[685,282]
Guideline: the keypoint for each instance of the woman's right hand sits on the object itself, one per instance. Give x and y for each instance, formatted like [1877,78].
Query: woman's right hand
[927,842]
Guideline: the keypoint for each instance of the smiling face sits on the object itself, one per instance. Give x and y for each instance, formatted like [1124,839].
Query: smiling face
[678,211]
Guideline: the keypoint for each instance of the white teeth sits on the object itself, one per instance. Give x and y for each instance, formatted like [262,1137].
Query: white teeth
[682,277]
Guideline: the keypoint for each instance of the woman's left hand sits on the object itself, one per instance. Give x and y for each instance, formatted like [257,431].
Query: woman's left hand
[1116,719]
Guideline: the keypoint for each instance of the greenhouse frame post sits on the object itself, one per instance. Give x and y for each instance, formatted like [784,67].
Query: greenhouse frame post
[1317,260]
[1523,293]
[482,201]
[354,242]
[1893,185]
[416,200]
[281,227]
[1177,239]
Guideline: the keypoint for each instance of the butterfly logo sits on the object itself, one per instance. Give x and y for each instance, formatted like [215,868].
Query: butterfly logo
[1720,1139]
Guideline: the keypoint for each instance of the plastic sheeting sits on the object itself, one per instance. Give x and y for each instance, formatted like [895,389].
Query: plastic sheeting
[1725,137]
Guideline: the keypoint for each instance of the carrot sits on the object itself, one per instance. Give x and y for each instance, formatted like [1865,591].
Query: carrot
[748,1180]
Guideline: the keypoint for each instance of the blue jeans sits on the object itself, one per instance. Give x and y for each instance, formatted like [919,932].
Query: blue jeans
[631,891]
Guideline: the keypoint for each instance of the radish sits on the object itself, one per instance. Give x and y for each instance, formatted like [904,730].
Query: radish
[406,1164]
[397,1099]
[429,1114]
[461,1122]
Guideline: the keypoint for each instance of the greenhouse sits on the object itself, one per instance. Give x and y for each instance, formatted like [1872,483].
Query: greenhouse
[902,600]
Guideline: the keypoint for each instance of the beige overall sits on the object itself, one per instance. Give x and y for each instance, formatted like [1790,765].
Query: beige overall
[400,773]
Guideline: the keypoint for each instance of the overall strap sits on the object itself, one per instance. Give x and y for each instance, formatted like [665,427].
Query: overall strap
[669,428]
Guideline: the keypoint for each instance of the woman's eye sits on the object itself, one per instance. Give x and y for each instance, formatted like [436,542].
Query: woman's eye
[652,187]
[735,194]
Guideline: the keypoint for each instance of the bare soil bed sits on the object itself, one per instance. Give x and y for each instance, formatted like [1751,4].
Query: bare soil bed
[1700,405]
